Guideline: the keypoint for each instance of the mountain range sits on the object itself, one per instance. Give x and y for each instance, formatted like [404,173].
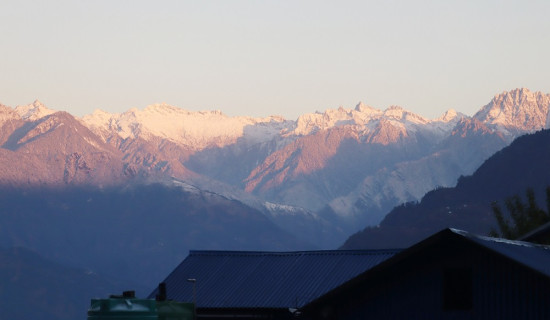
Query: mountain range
[125,196]
[345,167]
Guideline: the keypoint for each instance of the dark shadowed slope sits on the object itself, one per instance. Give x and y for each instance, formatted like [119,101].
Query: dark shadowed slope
[32,287]
[136,234]
[467,206]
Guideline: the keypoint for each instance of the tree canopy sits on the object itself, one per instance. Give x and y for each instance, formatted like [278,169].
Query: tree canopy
[525,216]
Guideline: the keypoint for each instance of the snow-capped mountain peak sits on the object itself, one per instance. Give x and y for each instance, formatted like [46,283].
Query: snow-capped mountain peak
[363,108]
[400,114]
[519,109]
[195,129]
[363,117]
[448,116]
[447,121]
[8,114]
[33,111]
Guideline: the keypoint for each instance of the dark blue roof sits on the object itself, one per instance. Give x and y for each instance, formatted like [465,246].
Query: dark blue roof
[534,256]
[236,279]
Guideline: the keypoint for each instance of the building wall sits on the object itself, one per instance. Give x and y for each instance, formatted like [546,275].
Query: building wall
[422,287]
[243,314]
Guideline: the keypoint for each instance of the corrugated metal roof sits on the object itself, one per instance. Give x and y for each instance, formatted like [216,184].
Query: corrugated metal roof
[241,279]
[534,256]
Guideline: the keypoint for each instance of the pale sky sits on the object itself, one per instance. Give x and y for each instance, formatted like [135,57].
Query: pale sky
[265,57]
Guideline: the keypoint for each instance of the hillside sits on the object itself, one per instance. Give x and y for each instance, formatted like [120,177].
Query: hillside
[33,287]
[467,206]
[136,234]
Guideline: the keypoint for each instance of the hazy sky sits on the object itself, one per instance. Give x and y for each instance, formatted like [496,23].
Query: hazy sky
[271,57]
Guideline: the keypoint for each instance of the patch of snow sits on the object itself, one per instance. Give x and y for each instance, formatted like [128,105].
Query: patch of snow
[448,116]
[185,186]
[98,119]
[7,114]
[344,206]
[34,111]
[280,209]
[195,129]
[363,118]
[516,110]
[92,142]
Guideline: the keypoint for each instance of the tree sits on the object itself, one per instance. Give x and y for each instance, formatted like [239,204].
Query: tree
[525,216]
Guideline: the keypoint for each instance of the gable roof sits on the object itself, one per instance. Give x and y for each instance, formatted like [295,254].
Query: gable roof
[532,256]
[244,279]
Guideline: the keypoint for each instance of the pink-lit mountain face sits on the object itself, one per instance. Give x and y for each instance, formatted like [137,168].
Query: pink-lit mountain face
[352,165]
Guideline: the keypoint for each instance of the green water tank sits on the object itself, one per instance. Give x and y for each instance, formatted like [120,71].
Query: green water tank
[172,310]
[125,307]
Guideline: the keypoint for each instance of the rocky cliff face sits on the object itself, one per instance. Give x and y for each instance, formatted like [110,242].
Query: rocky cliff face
[55,149]
[516,111]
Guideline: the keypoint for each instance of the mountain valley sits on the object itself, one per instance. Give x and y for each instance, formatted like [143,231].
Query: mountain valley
[157,182]
[342,167]
[126,196]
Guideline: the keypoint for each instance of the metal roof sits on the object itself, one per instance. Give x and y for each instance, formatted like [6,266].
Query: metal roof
[244,279]
[534,256]
[536,233]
